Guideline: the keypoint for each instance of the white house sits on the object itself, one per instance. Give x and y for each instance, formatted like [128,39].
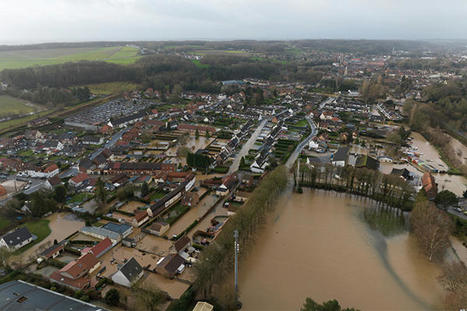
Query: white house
[16,239]
[129,273]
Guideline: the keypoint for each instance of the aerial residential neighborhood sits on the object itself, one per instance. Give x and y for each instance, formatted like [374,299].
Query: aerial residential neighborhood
[219,175]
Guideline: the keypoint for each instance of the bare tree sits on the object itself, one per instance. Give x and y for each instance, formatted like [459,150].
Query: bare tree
[454,280]
[432,228]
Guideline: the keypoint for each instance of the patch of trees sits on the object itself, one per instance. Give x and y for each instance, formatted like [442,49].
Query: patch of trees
[331,305]
[69,74]
[432,228]
[216,261]
[42,202]
[454,281]
[198,160]
[389,189]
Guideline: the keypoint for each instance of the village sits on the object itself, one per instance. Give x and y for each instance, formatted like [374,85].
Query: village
[141,186]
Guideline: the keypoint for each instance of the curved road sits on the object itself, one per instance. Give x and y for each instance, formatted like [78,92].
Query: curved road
[293,157]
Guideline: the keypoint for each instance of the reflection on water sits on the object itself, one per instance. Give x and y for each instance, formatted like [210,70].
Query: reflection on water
[386,220]
[317,245]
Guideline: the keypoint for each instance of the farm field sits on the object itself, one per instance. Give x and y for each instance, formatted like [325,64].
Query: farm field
[11,105]
[27,58]
[113,88]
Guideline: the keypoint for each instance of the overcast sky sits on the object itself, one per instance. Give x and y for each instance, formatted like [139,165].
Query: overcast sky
[32,21]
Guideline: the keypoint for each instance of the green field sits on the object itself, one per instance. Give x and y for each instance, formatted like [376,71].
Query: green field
[11,105]
[28,58]
[199,64]
[113,88]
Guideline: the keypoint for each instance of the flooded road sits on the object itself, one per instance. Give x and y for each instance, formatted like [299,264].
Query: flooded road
[317,245]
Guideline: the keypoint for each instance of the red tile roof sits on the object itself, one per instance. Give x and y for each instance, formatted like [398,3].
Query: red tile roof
[79,267]
[98,249]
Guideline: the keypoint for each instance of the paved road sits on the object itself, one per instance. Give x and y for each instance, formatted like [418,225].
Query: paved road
[247,146]
[293,157]
[454,212]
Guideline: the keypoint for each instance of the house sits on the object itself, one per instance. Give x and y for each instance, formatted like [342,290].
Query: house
[339,158]
[101,233]
[123,230]
[158,228]
[140,218]
[52,252]
[181,244]
[54,181]
[241,196]
[228,183]
[79,179]
[128,274]
[47,171]
[22,296]
[75,273]
[16,239]
[171,265]
[365,161]
[99,249]
[429,185]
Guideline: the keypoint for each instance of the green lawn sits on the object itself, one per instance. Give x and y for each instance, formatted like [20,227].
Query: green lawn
[28,58]
[157,195]
[39,228]
[199,64]
[80,197]
[11,105]
[4,222]
[301,123]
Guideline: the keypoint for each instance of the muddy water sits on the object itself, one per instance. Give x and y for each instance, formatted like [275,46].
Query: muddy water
[317,245]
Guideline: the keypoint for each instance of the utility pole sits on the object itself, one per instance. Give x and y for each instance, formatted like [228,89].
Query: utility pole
[236,250]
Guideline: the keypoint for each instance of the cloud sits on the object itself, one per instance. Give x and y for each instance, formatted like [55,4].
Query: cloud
[25,21]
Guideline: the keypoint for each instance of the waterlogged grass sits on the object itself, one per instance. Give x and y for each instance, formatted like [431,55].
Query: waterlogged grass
[42,57]
[11,105]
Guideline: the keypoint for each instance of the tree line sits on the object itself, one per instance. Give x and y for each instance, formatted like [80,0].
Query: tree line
[216,261]
[389,189]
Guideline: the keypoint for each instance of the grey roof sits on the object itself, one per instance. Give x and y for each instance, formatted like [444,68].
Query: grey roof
[117,228]
[17,237]
[102,232]
[131,270]
[22,296]
[341,154]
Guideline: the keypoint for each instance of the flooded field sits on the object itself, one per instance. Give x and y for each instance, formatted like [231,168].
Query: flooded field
[317,245]
[131,206]
[428,153]
[460,150]
[61,225]
[194,213]
[174,287]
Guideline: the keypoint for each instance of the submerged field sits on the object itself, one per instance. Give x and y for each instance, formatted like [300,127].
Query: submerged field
[27,58]
[11,105]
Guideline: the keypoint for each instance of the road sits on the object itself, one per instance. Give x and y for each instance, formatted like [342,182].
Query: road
[109,145]
[247,146]
[293,157]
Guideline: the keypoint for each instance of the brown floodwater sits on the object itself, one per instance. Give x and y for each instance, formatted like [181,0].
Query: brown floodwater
[317,245]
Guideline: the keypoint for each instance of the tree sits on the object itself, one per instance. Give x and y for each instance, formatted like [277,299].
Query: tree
[101,193]
[42,204]
[446,198]
[150,298]
[331,305]
[196,134]
[4,256]
[60,194]
[242,162]
[454,280]
[112,297]
[431,228]
[207,134]
[144,189]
